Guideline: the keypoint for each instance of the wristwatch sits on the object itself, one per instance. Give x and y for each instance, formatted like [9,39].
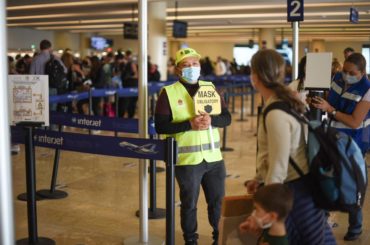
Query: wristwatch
[333,113]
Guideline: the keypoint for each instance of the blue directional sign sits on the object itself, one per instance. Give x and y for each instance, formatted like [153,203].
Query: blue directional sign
[295,10]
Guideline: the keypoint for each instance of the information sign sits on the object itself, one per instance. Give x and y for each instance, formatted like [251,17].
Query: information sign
[130,30]
[206,99]
[29,99]
[295,10]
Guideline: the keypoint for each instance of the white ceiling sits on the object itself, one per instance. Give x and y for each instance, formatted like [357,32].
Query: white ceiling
[221,19]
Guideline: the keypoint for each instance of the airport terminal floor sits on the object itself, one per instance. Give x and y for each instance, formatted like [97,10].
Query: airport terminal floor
[104,194]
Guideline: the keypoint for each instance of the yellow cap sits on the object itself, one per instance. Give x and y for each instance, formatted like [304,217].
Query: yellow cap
[185,53]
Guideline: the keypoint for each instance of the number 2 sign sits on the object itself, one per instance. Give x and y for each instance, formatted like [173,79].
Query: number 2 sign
[295,10]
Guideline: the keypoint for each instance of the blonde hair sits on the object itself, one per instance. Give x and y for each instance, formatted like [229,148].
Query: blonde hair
[269,66]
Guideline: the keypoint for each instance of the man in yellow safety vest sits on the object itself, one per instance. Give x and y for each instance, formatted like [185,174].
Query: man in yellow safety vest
[199,163]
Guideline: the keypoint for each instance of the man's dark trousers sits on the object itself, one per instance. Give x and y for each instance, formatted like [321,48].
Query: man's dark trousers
[190,177]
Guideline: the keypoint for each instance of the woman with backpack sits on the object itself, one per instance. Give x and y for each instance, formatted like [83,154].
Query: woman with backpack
[348,105]
[281,140]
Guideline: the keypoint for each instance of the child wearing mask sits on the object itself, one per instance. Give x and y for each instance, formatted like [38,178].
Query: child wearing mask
[272,204]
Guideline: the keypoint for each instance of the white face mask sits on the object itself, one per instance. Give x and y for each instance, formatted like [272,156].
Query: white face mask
[260,222]
[350,79]
[191,74]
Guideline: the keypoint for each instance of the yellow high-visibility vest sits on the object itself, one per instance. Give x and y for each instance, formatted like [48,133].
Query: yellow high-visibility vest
[193,145]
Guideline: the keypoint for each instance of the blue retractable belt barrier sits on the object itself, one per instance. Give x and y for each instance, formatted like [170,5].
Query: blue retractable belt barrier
[68,97]
[99,122]
[153,88]
[95,144]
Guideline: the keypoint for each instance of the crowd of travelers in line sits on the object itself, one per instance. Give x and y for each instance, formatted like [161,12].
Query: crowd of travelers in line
[118,70]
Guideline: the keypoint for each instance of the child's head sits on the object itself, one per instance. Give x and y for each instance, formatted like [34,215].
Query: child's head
[272,203]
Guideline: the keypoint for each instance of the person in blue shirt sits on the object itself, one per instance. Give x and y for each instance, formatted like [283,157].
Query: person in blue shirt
[348,105]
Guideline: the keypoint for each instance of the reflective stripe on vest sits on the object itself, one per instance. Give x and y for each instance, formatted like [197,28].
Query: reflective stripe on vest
[347,95]
[194,146]
[336,88]
[351,96]
[340,125]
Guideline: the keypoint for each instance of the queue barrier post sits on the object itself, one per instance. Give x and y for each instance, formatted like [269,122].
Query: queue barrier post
[116,99]
[242,107]
[224,133]
[252,100]
[153,211]
[90,105]
[52,193]
[233,99]
[33,238]
[170,190]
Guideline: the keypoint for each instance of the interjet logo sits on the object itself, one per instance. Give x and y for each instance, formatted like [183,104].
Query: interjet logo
[86,122]
[49,139]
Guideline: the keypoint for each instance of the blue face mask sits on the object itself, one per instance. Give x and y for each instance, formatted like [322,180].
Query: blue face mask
[350,79]
[191,74]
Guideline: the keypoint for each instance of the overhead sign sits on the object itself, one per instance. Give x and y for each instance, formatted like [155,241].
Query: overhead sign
[206,99]
[295,10]
[130,30]
[318,70]
[353,15]
[29,99]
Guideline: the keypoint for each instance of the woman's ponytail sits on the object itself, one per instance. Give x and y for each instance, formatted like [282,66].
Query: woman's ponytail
[269,66]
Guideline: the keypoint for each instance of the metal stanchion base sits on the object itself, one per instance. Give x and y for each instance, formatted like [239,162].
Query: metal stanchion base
[47,194]
[227,149]
[158,213]
[23,197]
[158,169]
[40,241]
[136,240]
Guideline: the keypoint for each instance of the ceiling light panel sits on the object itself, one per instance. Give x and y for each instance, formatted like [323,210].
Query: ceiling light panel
[66,4]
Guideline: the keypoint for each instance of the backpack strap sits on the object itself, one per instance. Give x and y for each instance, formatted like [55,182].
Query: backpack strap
[281,105]
[295,166]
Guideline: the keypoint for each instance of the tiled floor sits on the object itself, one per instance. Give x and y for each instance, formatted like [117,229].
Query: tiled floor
[103,194]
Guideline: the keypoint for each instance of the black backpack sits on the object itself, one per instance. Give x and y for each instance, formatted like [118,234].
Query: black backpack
[57,77]
[336,164]
[126,76]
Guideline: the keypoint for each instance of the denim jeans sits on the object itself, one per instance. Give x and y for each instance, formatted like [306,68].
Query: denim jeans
[211,176]
[355,215]
[355,220]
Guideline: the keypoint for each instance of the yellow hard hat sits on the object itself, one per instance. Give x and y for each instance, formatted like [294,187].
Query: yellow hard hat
[185,53]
